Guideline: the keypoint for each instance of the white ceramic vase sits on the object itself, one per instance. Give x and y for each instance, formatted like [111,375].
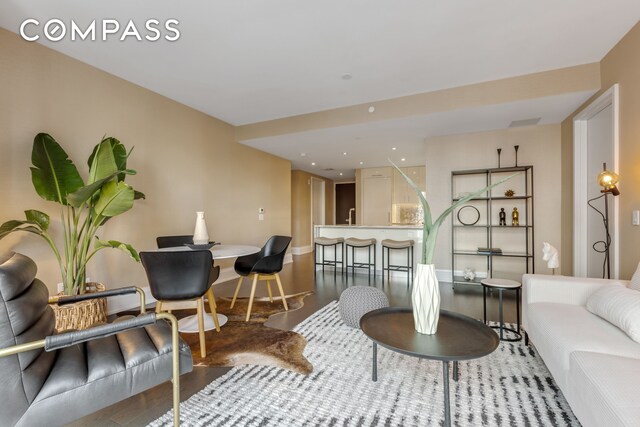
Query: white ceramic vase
[426,299]
[200,235]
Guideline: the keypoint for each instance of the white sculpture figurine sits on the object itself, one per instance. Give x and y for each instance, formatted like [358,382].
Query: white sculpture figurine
[550,254]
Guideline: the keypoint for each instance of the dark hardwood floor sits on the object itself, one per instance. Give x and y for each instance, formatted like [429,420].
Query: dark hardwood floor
[297,277]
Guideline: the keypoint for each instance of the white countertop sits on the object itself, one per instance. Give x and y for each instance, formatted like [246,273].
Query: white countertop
[392,227]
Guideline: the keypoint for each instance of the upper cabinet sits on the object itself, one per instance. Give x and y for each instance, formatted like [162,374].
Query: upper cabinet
[383,189]
[402,191]
[377,187]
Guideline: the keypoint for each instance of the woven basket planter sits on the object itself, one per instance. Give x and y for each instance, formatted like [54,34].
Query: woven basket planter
[83,314]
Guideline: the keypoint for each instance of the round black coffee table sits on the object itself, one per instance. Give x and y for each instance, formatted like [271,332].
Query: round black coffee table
[458,338]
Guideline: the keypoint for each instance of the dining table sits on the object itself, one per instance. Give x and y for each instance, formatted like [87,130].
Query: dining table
[189,324]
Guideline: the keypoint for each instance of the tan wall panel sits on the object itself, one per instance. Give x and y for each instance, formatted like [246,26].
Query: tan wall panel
[186,161]
[621,65]
[301,206]
[539,146]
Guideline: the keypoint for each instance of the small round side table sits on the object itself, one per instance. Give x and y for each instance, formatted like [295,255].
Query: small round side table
[501,285]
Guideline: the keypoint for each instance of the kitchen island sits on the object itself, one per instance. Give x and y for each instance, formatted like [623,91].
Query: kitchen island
[378,232]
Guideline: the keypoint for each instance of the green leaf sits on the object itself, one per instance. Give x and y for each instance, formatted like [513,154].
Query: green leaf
[15,225]
[54,175]
[103,163]
[118,151]
[101,244]
[114,198]
[82,195]
[41,219]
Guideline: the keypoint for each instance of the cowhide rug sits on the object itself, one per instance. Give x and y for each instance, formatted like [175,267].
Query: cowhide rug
[251,343]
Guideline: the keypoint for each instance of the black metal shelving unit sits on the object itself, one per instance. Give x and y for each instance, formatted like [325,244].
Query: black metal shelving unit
[526,253]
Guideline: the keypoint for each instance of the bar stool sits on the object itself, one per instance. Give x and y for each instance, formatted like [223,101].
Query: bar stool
[501,285]
[355,243]
[324,242]
[402,245]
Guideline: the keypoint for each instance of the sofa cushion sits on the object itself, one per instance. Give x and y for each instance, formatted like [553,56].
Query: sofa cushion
[635,280]
[619,306]
[557,330]
[604,389]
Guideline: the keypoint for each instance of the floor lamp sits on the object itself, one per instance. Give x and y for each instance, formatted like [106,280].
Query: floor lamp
[607,180]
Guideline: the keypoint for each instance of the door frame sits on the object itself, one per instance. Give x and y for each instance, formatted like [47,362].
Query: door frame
[323,210]
[580,155]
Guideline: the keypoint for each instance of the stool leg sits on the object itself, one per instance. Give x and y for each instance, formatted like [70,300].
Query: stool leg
[369,266]
[335,260]
[315,259]
[408,266]
[383,266]
[353,262]
[323,260]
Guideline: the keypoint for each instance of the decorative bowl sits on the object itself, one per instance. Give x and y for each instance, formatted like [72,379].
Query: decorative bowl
[202,246]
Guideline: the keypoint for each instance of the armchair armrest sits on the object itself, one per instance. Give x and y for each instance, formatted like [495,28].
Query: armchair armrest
[562,289]
[67,339]
[69,299]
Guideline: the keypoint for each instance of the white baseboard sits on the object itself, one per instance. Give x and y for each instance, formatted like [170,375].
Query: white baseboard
[132,302]
[301,250]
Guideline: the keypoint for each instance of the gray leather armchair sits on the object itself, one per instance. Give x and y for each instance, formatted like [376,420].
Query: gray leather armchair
[54,379]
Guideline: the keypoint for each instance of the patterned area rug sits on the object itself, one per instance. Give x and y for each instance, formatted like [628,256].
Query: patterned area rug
[510,387]
[251,343]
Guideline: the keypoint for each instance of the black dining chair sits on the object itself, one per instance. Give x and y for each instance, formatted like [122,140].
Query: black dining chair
[180,280]
[174,241]
[264,265]
[181,240]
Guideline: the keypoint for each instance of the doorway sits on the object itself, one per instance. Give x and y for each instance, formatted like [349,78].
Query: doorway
[595,142]
[317,205]
[345,201]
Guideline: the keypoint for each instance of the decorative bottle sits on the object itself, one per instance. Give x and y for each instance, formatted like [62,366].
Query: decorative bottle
[200,235]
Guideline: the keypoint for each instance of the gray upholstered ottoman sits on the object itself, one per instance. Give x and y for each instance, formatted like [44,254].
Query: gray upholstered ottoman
[357,301]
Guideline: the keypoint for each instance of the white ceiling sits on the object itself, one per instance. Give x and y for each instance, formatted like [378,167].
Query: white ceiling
[372,143]
[248,61]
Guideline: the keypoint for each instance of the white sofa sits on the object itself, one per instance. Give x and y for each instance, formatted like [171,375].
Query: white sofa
[595,364]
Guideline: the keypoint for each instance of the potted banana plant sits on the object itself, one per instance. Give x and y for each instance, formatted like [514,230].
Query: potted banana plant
[425,295]
[84,207]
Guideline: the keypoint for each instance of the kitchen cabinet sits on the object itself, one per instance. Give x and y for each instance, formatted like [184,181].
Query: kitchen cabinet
[376,200]
[402,191]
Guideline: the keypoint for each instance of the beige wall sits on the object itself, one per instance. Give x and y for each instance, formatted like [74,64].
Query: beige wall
[539,146]
[301,206]
[186,160]
[621,65]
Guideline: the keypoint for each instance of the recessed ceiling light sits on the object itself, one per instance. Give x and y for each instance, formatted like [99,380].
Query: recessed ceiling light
[402,159]
[372,109]
[340,173]
[303,154]
[344,153]
[362,163]
[313,163]
[393,148]
[346,76]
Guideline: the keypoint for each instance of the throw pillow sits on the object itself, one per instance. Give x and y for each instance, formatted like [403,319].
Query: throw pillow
[635,280]
[618,305]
